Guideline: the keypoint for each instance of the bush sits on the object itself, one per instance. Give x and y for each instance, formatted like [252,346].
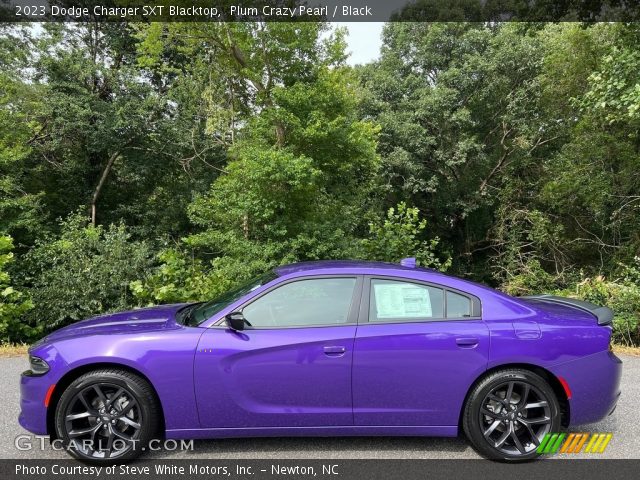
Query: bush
[177,279]
[622,297]
[399,236]
[530,279]
[84,272]
[182,278]
[13,304]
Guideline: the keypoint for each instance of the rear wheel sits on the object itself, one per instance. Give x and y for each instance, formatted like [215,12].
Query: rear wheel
[508,414]
[107,416]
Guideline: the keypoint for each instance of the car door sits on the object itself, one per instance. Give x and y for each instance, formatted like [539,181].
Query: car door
[291,367]
[418,348]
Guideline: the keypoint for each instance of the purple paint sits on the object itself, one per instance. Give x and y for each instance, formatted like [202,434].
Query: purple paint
[356,378]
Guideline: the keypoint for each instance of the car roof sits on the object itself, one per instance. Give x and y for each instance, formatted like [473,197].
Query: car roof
[332,267]
[346,265]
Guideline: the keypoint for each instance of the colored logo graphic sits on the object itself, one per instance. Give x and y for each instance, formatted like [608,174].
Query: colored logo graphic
[574,443]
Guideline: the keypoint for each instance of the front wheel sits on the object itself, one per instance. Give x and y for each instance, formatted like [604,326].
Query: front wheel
[508,414]
[107,416]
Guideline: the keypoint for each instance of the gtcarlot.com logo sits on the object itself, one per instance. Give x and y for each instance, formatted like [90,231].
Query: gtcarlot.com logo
[574,443]
[38,442]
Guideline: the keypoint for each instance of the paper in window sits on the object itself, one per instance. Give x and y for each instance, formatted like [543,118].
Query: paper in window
[395,300]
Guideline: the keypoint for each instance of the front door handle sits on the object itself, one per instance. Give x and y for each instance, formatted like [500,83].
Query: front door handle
[467,342]
[334,350]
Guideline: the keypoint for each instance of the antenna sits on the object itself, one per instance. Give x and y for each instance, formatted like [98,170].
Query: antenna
[408,262]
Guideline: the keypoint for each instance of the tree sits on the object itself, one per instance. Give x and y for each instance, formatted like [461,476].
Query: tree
[301,166]
[107,137]
[457,104]
[213,151]
[399,236]
[19,209]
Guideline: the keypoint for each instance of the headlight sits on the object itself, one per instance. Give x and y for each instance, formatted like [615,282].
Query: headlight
[38,365]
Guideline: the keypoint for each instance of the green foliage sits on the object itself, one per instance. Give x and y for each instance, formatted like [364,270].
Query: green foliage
[614,90]
[220,150]
[528,279]
[525,240]
[13,304]
[178,279]
[19,209]
[84,272]
[183,278]
[298,176]
[457,104]
[265,194]
[399,236]
[621,296]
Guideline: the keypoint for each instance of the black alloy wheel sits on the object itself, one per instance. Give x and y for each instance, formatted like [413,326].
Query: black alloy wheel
[509,413]
[107,416]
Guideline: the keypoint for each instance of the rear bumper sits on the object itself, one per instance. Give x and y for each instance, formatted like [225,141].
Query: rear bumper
[595,386]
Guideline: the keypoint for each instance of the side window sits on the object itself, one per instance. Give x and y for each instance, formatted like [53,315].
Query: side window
[392,300]
[320,301]
[458,306]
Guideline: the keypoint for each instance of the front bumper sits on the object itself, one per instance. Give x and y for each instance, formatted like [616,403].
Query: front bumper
[34,388]
[595,386]
[33,413]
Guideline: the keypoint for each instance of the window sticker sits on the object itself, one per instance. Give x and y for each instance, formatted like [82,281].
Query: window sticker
[394,300]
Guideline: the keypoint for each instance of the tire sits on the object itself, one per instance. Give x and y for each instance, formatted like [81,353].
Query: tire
[519,423]
[107,416]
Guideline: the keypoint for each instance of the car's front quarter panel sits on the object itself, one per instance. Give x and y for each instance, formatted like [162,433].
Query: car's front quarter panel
[164,357]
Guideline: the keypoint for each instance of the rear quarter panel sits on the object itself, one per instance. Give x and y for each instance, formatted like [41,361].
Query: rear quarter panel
[570,345]
[563,336]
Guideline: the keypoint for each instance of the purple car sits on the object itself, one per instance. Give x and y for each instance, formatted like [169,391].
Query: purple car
[336,348]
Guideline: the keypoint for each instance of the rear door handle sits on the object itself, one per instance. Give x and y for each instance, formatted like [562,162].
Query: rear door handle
[467,342]
[334,350]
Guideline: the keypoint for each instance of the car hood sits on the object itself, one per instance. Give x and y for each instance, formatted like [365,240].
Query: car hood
[140,320]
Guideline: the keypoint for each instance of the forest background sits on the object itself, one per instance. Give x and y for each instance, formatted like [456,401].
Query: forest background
[167,162]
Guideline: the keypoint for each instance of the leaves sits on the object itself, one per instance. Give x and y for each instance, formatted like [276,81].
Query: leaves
[13,304]
[214,151]
[399,236]
[84,272]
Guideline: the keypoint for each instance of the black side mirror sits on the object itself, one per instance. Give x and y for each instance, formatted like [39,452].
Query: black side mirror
[235,320]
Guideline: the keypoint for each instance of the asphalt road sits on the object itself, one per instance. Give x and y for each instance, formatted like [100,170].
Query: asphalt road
[624,424]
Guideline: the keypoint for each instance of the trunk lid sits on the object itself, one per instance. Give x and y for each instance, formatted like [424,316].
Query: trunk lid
[603,315]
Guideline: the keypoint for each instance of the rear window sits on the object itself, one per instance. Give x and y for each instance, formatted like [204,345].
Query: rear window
[458,306]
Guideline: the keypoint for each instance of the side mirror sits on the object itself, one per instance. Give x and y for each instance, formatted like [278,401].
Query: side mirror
[235,320]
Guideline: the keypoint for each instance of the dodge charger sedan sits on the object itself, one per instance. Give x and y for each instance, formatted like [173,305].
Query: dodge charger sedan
[335,348]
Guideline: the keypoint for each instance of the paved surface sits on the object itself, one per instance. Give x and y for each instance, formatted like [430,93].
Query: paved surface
[624,424]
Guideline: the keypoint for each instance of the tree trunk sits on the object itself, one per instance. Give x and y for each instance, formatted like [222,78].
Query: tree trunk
[98,190]
[238,55]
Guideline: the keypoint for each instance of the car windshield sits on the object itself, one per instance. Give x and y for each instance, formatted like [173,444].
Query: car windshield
[197,313]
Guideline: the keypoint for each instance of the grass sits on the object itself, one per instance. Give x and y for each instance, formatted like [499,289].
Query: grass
[13,349]
[627,350]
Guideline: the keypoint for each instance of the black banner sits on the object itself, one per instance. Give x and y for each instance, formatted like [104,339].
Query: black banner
[313,10]
[543,469]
